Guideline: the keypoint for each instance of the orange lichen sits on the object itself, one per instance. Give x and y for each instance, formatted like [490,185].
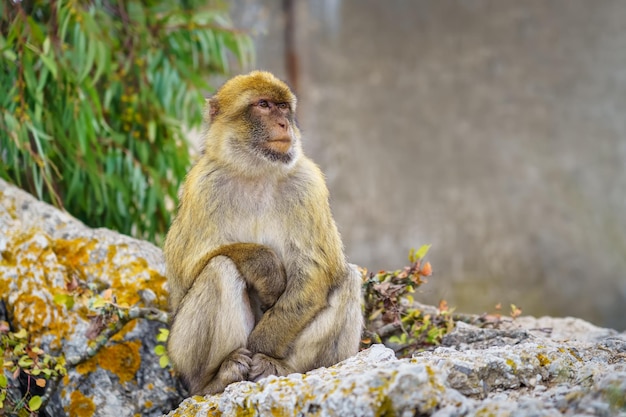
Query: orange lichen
[7,258]
[86,367]
[4,284]
[135,275]
[74,253]
[81,406]
[128,327]
[157,284]
[121,359]
[111,252]
[40,317]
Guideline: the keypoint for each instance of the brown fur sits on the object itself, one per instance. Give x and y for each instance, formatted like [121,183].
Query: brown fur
[258,280]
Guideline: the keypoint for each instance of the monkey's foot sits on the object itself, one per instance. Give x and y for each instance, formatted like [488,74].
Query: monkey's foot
[234,368]
[263,365]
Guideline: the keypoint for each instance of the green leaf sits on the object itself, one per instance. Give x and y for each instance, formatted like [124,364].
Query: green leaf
[163,335]
[98,302]
[35,30]
[421,252]
[136,12]
[50,64]
[46,45]
[102,61]
[21,334]
[160,350]
[64,299]
[164,361]
[3,380]
[25,362]
[9,54]
[89,60]
[34,403]
[19,348]
[399,340]
[151,131]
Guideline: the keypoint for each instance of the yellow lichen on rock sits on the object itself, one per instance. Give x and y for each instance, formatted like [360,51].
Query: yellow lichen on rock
[543,359]
[39,317]
[121,359]
[87,367]
[80,405]
[128,327]
[31,275]
[511,363]
[134,276]
[74,253]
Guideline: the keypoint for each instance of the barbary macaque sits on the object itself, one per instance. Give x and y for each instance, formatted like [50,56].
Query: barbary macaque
[259,283]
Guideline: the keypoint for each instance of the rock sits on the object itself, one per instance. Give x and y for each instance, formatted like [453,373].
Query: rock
[521,374]
[562,328]
[42,252]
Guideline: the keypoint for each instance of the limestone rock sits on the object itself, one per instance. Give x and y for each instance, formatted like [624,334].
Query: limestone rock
[523,374]
[42,252]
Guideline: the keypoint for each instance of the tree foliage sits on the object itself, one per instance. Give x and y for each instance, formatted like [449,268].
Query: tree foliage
[95,96]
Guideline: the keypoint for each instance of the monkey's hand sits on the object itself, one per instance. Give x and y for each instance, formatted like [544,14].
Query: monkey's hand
[234,368]
[263,365]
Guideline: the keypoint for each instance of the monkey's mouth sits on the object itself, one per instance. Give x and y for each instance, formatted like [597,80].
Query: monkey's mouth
[281,145]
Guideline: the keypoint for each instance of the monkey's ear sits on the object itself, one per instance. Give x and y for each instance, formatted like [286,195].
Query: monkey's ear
[214,108]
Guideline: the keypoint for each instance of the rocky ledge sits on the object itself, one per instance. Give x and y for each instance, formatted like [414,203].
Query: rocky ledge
[531,367]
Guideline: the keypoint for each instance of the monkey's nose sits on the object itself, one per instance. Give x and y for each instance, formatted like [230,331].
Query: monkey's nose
[282,125]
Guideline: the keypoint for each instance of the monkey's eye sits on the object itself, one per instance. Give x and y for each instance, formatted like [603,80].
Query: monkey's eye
[263,103]
[283,106]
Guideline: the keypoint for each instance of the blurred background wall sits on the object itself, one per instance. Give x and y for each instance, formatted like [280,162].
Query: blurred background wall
[495,130]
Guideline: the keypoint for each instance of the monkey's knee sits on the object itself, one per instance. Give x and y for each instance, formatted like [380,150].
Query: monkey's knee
[263,365]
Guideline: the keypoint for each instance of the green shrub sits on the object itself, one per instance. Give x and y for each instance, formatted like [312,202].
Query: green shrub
[94,96]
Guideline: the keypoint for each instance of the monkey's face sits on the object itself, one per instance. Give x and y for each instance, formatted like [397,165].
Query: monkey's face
[252,119]
[273,131]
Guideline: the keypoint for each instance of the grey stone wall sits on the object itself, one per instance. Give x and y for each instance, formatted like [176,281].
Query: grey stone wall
[495,130]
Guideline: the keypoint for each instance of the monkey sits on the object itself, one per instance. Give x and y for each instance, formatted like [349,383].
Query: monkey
[258,279]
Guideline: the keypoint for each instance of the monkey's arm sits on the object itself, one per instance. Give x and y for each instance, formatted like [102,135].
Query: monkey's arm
[304,298]
[258,265]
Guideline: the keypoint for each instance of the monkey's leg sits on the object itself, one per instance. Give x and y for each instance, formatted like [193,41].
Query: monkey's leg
[332,336]
[209,332]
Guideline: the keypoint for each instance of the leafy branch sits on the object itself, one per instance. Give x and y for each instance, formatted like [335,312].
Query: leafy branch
[391,314]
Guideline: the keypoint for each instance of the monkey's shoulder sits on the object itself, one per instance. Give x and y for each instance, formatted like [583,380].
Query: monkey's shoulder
[309,177]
